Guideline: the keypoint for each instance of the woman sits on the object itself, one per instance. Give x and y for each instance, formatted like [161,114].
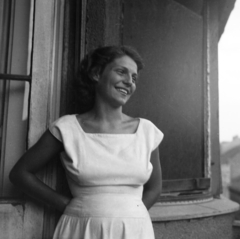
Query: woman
[111,159]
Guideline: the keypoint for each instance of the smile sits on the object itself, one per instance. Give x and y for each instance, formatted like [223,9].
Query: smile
[123,91]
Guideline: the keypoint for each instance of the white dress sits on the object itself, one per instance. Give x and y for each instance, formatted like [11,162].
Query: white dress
[106,174]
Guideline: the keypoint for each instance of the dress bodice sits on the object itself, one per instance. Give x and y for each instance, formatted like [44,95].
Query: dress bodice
[105,159]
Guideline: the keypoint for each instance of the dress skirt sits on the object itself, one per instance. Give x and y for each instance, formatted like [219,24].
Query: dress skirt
[105,216]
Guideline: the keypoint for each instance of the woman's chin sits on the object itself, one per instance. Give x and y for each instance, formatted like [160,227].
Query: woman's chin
[120,102]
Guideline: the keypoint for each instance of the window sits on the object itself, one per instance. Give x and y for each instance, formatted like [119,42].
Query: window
[16,27]
[174,92]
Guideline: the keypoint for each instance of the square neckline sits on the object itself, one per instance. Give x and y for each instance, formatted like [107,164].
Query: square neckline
[107,134]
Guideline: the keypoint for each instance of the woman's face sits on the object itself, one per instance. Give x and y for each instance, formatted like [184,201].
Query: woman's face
[118,81]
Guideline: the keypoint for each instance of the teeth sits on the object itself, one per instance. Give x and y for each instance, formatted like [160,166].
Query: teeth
[123,91]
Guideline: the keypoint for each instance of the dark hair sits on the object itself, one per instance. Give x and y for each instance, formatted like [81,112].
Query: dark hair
[95,62]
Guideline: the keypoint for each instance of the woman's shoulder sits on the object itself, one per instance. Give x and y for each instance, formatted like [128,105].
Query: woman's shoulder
[131,124]
[83,117]
[130,119]
[139,122]
[147,122]
[152,132]
[149,125]
[59,127]
[65,119]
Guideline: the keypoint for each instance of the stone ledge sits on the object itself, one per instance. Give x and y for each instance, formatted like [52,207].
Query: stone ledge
[190,210]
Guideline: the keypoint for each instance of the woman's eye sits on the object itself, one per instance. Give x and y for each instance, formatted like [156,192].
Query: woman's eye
[134,79]
[120,72]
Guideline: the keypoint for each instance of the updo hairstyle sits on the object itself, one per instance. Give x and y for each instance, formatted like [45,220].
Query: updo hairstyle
[94,63]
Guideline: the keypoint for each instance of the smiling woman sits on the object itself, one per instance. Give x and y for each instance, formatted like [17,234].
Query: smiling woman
[93,66]
[117,83]
[111,159]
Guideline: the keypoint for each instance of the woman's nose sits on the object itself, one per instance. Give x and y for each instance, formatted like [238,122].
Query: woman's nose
[128,80]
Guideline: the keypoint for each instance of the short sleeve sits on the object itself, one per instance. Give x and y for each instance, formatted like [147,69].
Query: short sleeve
[55,130]
[158,137]
[154,136]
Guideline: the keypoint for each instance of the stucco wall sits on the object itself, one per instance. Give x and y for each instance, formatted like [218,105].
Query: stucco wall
[219,227]
[11,217]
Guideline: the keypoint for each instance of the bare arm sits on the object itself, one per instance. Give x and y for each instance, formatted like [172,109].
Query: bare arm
[153,187]
[23,173]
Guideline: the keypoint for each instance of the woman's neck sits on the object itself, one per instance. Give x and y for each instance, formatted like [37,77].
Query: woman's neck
[108,114]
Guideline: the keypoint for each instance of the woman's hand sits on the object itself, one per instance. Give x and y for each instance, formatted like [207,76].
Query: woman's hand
[23,173]
[153,187]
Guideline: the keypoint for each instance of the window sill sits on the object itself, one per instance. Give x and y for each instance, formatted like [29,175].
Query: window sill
[192,209]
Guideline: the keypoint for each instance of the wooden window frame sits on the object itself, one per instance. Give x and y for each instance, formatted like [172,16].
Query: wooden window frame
[209,185]
[16,21]
[10,77]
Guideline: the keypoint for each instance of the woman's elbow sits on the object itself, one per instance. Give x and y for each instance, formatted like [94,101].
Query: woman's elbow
[155,190]
[16,175]
[158,191]
[13,176]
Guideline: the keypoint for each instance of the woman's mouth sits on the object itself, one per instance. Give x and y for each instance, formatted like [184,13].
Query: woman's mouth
[122,90]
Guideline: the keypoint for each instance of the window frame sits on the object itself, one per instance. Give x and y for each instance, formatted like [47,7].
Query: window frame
[14,27]
[210,178]
[10,77]
[209,185]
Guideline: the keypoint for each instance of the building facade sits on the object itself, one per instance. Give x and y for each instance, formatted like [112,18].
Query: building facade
[42,43]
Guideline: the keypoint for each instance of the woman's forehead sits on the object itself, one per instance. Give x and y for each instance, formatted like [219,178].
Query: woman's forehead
[124,61]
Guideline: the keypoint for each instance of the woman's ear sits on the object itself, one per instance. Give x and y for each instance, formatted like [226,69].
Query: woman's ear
[95,75]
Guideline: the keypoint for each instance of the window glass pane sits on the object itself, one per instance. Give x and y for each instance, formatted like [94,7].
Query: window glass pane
[171,88]
[15,42]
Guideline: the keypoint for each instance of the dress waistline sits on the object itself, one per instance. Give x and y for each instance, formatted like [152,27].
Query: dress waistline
[79,191]
[107,205]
